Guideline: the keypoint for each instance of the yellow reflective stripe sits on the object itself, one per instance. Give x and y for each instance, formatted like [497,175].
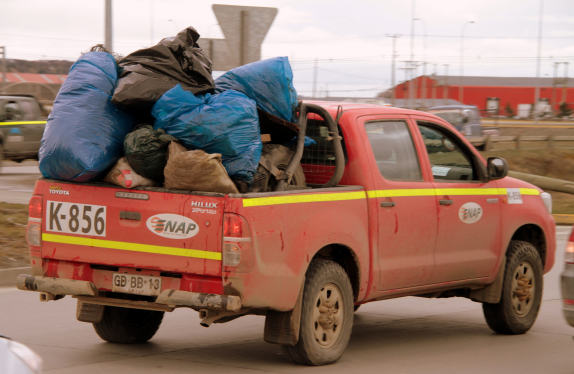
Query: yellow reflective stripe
[309,198]
[22,123]
[448,191]
[529,191]
[373,194]
[471,191]
[134,247]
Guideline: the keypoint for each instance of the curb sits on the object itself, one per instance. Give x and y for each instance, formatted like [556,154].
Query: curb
[8,276]
[564,219]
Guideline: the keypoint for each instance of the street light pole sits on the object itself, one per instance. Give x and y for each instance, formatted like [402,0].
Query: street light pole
[4,70]
[108,26]
[539,48]
[460,89]
[424,63]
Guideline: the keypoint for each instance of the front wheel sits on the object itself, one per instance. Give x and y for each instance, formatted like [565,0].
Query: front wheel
[521,292]
[326,315]
[128,326]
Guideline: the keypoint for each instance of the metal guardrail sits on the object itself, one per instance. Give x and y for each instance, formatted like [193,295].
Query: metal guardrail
[556,141]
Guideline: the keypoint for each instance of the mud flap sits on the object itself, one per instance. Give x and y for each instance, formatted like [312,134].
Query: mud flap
[283,327]
[491,294]
[86,312]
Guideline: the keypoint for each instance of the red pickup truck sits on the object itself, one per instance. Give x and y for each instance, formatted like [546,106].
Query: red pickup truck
[417,211]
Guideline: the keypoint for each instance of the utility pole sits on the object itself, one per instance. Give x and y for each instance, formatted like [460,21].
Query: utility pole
[424,81]
[537,87]
[4,69]
[554,82]
[108,27]
[445,83]
[315,68]
[565,82]
[460,83]
[393,58]
[411,60]
[434,81]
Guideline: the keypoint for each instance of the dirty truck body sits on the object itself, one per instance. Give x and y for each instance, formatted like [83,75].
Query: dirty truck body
[405,219]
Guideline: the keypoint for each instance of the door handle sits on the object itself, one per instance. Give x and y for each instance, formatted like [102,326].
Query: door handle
[131,216]
[445,202]
[387,204]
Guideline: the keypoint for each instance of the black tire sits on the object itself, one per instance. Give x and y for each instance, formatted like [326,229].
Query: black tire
[327,286]
[521,291]
[128,326]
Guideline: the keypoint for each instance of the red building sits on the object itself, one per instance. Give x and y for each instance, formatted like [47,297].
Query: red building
[480,91]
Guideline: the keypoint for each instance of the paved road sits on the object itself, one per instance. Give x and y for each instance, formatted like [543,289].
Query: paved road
[408,335]
[17,181]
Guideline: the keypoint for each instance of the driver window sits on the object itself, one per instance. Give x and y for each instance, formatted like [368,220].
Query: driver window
[449,162]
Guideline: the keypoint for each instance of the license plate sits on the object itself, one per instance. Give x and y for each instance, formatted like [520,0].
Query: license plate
[75,218]
[136,284]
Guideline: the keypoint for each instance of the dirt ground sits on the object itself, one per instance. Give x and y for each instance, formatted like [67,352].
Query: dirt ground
[13,247]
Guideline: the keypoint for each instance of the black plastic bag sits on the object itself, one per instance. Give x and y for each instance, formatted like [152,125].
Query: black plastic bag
[146,151]
[148,73]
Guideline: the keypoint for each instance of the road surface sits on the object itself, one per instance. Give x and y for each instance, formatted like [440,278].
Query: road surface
[17,181]
[408,335]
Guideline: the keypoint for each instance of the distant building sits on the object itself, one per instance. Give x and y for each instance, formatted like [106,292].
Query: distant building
[492,95]
[44,87]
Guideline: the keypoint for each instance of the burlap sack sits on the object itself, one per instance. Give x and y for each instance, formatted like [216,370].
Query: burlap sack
[123,175]
[196,171]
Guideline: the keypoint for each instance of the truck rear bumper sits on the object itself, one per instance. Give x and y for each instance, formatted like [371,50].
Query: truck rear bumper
[53,288]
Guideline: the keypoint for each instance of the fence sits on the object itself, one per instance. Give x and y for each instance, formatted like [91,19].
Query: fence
[490,142]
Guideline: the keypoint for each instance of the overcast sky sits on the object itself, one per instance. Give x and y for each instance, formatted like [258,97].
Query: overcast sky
[348,38]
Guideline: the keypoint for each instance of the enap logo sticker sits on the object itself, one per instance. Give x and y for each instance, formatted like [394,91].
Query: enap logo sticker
[470,213]
[172,226]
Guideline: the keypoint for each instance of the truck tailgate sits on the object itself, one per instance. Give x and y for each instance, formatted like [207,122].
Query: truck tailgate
[144,229]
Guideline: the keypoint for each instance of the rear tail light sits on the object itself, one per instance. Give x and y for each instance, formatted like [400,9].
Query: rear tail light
[569,254]
[34,228]
[35,207]
[236,242]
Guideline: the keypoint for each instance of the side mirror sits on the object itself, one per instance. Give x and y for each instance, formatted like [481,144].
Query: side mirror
[497,168]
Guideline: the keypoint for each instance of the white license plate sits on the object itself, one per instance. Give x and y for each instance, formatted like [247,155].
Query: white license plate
[75,218]
[136,284]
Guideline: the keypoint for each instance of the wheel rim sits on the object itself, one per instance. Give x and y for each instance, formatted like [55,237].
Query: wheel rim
[523,289]
[328,315]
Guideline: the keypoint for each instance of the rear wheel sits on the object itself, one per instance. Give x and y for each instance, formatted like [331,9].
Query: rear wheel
[521,292]
[326,315]
[128,326]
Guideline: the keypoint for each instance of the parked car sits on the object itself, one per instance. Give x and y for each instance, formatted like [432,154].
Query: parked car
[465,118]
[16,358]
[567,281]
[21,127]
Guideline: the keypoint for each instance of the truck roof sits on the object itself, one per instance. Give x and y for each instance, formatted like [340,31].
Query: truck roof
[332,107]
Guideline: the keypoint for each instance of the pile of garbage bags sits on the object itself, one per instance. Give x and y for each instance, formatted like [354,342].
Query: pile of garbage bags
[119,121]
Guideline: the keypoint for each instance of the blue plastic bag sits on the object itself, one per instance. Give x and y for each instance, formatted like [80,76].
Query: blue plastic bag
[226,123]
[85,132]
[268,82]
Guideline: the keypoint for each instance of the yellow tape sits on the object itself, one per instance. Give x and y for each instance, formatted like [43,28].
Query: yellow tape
[22,123]
[373,194]
[134,247]
[308,198]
